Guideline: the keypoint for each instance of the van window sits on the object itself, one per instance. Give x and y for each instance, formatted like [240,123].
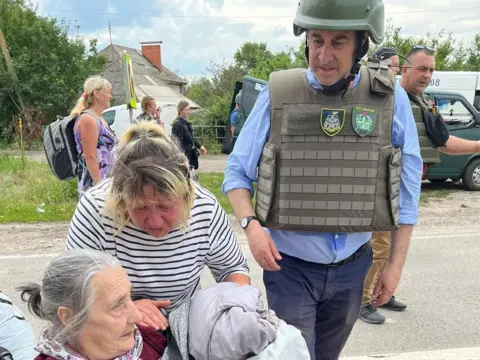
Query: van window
[453,111]
[109,117]
[476,100]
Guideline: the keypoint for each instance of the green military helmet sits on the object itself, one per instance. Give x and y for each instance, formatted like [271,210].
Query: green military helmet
[337,15]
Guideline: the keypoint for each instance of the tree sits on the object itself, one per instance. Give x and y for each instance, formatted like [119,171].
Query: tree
[250,55]
[50,59]
[214,90]
[450,55]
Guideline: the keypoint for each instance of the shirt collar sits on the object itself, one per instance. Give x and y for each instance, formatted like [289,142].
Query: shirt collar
[313,82]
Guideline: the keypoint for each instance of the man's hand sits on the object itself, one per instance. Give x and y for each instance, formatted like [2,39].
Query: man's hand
[262,247]
[203,150]
[152,316]
[386,286]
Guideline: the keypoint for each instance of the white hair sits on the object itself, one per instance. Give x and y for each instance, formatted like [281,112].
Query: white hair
[67,282]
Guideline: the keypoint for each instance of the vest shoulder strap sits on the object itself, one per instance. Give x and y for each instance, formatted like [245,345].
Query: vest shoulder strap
[382,80]
[283,83]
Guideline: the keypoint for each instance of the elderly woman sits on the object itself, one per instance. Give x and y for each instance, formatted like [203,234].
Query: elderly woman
[161,225]
[85,296]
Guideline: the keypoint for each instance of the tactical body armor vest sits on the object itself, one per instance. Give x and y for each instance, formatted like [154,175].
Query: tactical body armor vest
[428,151]
[329,164]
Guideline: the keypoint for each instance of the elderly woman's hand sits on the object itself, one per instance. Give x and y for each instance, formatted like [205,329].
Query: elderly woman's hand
[152,316]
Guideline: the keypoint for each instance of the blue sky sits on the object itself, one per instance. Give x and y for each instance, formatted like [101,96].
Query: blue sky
[196,32]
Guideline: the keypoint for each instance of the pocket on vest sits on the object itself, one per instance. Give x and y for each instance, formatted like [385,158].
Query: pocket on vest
[393,175]
[266,181]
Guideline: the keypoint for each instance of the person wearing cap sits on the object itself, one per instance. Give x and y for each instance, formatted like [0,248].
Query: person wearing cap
[381,240]
[336,151]
[388,56]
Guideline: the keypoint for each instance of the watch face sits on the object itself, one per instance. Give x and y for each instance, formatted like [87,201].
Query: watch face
[244,222]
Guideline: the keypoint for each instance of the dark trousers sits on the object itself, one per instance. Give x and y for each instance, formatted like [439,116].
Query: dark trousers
[323,302]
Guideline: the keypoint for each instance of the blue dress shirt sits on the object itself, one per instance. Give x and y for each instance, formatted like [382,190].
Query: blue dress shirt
[325,248]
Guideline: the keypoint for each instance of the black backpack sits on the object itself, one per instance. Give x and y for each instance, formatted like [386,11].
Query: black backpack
[60,147]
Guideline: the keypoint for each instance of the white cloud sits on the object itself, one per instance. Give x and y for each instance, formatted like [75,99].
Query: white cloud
[111,9]
[195,32]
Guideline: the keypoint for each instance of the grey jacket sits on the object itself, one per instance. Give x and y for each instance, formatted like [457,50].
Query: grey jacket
[228,322]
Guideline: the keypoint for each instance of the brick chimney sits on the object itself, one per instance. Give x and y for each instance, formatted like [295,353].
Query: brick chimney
[153,52]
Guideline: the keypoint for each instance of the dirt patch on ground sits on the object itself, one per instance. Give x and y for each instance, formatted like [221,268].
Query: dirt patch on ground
[32,238]
[451,205]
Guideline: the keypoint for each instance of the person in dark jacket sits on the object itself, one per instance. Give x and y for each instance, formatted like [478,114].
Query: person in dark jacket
[182,132]
[85,296]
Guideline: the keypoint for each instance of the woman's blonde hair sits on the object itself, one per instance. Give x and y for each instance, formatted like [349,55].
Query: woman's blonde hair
[91,84]
[146,101]
[147,156]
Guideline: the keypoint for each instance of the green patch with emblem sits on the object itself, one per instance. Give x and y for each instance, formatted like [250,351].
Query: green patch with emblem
[364,120]
[332,121]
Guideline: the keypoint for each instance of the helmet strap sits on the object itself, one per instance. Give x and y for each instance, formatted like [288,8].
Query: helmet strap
[361,49]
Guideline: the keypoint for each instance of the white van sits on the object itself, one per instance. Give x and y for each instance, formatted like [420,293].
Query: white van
[118,117]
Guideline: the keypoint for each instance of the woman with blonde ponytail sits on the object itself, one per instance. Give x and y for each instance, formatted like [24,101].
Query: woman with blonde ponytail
[94,139]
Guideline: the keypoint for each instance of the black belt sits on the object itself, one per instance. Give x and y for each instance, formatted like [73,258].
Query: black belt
[360,251]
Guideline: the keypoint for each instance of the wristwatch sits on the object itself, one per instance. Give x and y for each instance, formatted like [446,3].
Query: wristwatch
[246,220]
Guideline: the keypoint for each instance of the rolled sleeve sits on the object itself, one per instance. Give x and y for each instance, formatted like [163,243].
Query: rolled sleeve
[242,163]
[225,256]
[405,136]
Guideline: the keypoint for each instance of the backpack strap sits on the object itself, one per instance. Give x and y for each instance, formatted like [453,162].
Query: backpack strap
[99,121]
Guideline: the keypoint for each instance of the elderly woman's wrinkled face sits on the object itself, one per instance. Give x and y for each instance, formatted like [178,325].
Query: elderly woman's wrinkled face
[109,330]
[155,213]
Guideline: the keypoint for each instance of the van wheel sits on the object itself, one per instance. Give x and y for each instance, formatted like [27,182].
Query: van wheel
[471,175]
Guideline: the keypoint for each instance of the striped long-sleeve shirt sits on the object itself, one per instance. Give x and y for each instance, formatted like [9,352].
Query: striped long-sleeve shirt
[168,268]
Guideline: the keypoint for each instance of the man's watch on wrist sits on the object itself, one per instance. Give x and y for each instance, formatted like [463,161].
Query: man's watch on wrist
[246,220]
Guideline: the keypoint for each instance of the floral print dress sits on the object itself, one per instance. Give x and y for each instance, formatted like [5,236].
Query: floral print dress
[106,155]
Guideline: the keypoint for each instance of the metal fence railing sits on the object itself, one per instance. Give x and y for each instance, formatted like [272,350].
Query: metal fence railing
[215,131]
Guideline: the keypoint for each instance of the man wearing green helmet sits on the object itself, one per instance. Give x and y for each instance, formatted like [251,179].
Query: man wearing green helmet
[334,151]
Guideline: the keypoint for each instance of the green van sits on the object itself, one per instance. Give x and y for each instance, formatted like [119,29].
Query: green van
[463,121]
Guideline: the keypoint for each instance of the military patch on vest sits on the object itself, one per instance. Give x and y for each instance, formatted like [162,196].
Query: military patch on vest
[332,121]
[363,120]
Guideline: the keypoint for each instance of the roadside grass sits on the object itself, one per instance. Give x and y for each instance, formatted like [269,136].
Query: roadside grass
[213,182]
[428,195]
[29,192]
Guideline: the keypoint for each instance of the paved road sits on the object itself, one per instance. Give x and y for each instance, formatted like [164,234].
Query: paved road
[440,284]
[208,163]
